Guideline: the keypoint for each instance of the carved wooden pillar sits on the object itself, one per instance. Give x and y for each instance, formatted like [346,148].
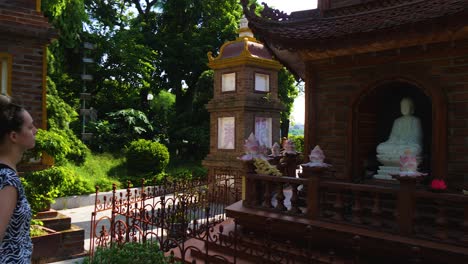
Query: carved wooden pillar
[464,238]
[288,164]
[313,174]
[249,193]
[406,203]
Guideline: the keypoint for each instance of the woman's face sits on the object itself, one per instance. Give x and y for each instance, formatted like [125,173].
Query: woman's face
[26,137]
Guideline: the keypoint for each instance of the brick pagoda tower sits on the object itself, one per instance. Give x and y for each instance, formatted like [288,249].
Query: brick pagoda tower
[245,100]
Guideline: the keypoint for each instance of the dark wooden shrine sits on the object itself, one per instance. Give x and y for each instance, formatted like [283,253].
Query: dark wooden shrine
[358,59]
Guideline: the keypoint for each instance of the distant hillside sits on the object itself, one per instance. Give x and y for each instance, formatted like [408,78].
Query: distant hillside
[296,130]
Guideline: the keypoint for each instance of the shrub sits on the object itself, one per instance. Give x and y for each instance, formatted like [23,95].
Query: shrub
[62,145]
[52,143]
[73,184]
[180,173]
[141,253]
[298,142]
[78,150]
[42,187]
[146,157]
[120,128]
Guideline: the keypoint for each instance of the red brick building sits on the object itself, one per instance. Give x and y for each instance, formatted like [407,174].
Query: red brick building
[358,58]
[25,32]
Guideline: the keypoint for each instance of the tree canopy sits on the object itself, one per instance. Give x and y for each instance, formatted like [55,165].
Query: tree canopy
[156,47]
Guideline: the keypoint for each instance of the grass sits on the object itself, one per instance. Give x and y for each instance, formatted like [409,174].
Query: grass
[36,231]
[101,170]
[105,169]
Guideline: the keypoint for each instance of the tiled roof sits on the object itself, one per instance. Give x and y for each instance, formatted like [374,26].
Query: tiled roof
[371,17]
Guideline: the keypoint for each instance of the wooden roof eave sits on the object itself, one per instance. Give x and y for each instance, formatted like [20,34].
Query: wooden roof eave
[288,51]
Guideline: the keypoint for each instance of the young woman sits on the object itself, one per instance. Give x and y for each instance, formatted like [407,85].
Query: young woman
[17,134]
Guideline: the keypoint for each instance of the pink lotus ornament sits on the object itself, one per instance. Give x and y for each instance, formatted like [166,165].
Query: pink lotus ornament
[289,147]
[408,162]
[409,165]
[275,150]
[251,145]
[252,149]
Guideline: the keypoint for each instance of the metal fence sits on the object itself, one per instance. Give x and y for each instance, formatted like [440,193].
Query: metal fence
[187,221]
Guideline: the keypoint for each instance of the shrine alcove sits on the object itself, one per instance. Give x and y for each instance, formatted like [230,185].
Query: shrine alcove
[373,116]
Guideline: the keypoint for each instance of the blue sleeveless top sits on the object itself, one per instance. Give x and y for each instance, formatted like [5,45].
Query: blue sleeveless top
[16,247]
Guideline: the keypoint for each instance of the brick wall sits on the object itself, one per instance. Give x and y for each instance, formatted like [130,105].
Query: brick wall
[244,104]
[442,67]
[30,4]
[27,73]
[24,35]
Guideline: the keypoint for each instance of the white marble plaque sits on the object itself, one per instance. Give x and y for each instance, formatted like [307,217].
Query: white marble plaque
[263,131]
[228,82]
[262,82]
[226,132]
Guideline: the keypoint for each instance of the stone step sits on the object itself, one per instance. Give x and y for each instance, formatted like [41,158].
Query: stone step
[54,220]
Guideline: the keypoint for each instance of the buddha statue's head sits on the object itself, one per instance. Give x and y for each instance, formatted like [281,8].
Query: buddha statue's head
[407,106]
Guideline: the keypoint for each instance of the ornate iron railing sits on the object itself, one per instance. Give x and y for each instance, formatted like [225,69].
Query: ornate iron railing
[167,213]
[187,221]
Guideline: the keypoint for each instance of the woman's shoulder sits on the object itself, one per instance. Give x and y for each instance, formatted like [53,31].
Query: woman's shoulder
[8,177]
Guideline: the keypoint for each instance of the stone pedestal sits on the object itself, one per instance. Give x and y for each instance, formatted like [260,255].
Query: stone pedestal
[384,172]
[391,165]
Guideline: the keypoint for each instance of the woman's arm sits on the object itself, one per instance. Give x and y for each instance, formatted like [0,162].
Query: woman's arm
[8,199]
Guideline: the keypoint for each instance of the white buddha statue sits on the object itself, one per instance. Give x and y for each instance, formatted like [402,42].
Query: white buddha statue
[406,135]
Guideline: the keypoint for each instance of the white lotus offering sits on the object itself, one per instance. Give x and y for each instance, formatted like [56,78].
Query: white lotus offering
[275,150]
[316,159]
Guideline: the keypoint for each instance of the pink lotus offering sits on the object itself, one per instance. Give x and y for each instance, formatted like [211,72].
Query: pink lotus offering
[252,149]
[289,147]
[408,162]
[409,165]
[438,184]
[275,150]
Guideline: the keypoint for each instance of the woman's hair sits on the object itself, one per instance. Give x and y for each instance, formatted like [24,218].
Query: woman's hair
[10,116]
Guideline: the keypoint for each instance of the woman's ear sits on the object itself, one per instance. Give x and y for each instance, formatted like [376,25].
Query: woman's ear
[13,136]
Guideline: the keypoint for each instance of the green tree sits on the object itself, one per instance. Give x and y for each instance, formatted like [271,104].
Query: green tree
[190,132]
[120,128]
[64,65]
[287,92]
[187,31]
[67,17]
[160,114]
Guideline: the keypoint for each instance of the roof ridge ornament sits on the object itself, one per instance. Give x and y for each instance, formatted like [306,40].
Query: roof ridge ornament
[244,30]
[267,12]
[273,14]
